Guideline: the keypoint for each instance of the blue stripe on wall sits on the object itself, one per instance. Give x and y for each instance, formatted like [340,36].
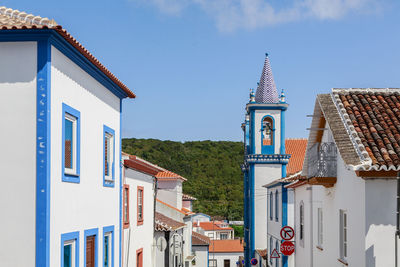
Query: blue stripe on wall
[42,252]
[120,183]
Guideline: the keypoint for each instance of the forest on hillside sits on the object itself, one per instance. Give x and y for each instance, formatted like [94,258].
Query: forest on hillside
[212,169]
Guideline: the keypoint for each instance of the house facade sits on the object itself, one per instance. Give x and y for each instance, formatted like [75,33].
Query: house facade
[265,157]
[345,198]
[215,230]
[225,253]
[63,109]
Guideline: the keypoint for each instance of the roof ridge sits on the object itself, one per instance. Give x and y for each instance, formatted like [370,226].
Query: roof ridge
[27,18]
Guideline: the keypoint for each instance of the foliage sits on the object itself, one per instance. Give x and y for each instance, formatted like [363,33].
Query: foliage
[239,230]
[211,167]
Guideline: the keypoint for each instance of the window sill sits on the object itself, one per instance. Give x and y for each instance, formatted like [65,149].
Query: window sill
[108,183]
[343,261]
[71,178]
[126,225]
[320,248]
[140,222]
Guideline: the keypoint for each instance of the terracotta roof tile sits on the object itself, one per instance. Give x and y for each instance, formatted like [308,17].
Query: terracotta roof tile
[11,19]
[373,120]
[297,149]
[228,245]
[213,226]
[168,175]
[199,239]
[166,224]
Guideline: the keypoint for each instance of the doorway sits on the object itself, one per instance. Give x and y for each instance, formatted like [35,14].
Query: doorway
[90,251]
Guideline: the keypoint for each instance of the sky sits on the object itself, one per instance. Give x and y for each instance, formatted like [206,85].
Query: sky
[191,63]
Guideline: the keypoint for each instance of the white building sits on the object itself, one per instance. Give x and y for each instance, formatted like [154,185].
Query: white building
[138,247]
[200,247]
[60,198]
[225,253]
[345,201]
[201,217]
[215,230]
[280,202]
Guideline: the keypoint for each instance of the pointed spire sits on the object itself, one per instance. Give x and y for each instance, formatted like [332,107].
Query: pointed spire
[266,90]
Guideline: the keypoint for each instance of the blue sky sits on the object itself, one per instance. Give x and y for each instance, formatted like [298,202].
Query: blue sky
[192,62]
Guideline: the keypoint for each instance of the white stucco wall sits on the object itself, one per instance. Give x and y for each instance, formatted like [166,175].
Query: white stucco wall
[201,253]
[87,205]
[200,218]
[220,257]
[170,192]
[139,236]
[18,66]
[264,174]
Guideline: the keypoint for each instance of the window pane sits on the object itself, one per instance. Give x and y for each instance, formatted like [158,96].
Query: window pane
[69,143]
[106,251]
[68,255]
[107,155]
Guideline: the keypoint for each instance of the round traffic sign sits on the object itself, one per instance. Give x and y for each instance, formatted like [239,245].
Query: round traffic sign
[287,233]
[287,248]
[254,261]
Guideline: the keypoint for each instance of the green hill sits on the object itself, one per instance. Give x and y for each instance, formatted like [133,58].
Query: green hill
[211,167]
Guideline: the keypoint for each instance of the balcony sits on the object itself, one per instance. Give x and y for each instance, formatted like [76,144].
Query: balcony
[322,164]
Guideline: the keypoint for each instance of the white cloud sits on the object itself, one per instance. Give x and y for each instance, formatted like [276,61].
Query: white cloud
[230,15]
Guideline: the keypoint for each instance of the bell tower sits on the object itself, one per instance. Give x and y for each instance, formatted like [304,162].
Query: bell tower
[265,159]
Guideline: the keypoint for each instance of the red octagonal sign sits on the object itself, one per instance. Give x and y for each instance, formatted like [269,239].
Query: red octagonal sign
[287,248]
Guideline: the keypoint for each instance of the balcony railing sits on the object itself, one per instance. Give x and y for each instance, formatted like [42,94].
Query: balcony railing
[322,160]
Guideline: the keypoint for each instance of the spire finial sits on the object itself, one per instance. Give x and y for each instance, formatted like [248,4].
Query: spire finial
[283,97]
[266,90]
[252,96]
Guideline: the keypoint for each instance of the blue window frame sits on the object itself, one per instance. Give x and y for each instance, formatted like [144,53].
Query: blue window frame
[271,197]
[70,249]
[91,232]
[276,205]
[71,139]
[108,156]
[108,246]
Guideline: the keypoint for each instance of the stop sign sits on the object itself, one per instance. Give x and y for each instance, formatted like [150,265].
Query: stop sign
[287,248]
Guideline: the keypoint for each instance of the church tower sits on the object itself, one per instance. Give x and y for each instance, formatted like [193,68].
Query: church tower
[265,159]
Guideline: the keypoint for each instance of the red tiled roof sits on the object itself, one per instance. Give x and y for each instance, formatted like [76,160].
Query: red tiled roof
[373,120]
[166,224]
[228,245]
[297,148]
[213,226]
[168,175]
[174,208]
[15,20]
[142,165]
[199,239]
[262,253]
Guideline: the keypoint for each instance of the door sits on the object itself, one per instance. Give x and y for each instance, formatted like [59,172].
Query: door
[227,263]
[139,258]
[90,251]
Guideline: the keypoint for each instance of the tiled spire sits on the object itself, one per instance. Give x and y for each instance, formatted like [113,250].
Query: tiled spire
[266,90]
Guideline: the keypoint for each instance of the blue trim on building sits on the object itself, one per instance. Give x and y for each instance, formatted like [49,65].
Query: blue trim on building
[283,169]
[120,183]
[67,49]
[43,159]
[109,229]
[270,149]
[208,259]
[283,149]
[91,232]
[108,183]
[284,217]
[72,178]
[69,237]
[252,211]
[252,132]
[277,107]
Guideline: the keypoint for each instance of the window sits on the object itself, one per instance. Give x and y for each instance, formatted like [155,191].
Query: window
[271,197]
[108,246]
[139,258]
[302,223]
[70,144]
[108,157]
[211,235]
[140,205]
[227,263]
[343,234]
[212,263]
[126,206]
[223,236]
[70,250]
[320,229]
[276,205]
[90,247]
